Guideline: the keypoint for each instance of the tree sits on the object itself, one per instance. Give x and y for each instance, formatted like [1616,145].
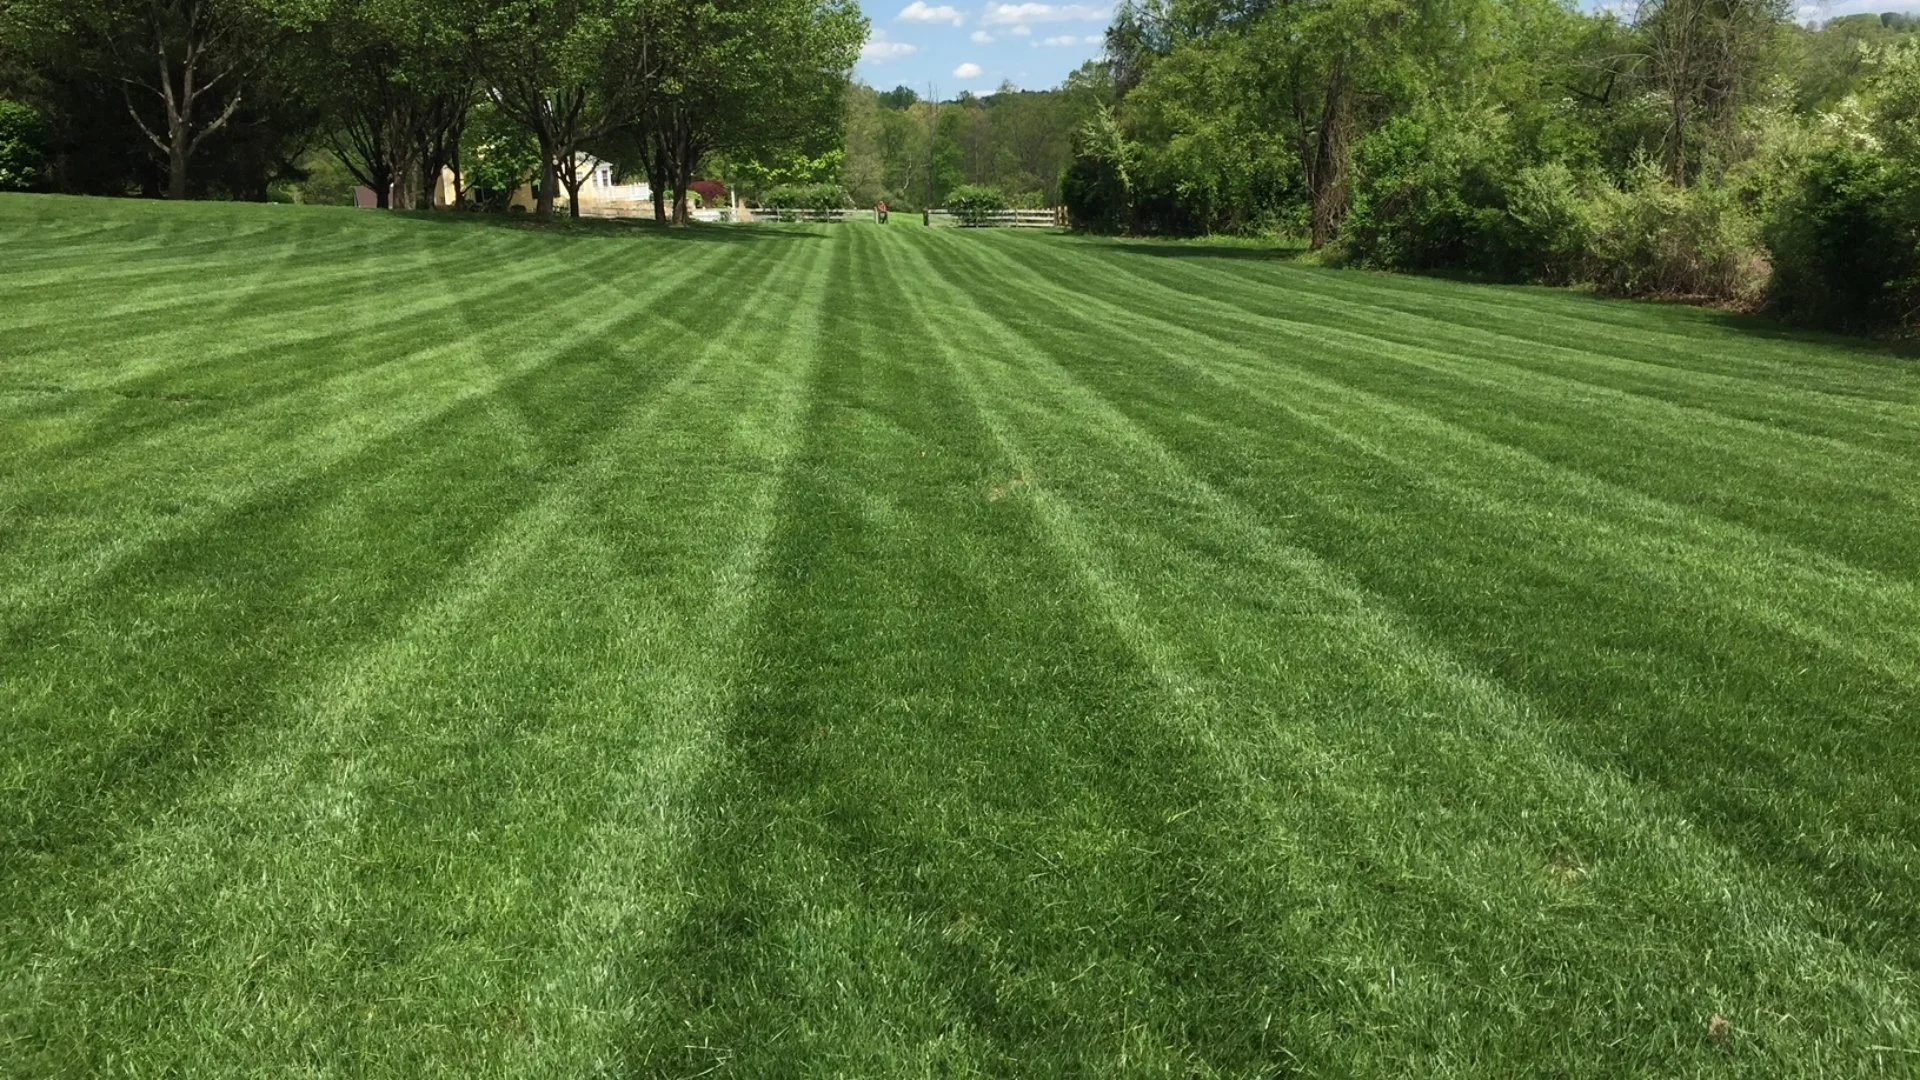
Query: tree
[1704,56]
[22,147]
[750,78]
[569,71]
[185,67]
[399,89]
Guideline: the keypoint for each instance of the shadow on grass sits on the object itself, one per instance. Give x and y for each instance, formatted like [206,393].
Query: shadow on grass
[1902,351]
[1258,251]
[616,228]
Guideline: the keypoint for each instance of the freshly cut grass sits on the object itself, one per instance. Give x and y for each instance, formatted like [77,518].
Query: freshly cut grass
[434,647]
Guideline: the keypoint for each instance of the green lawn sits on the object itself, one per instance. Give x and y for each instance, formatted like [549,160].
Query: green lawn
[444,648]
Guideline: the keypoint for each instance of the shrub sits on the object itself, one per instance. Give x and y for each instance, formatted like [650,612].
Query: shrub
[497,159]
[1654,238]
[1097,186]
[973,204]
[1846,244]
[806,197]
[1548,226]
[23,138]
[1428,196]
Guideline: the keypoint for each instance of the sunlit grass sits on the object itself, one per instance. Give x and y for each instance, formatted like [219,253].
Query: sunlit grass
[441,647]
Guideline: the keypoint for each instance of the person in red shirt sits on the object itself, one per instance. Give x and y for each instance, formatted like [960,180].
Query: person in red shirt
[880,211]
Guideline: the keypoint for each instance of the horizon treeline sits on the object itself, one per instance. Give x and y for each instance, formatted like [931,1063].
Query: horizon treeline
[1690,148]
[251,99]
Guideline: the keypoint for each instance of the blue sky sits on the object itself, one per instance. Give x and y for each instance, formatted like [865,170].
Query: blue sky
[978,44]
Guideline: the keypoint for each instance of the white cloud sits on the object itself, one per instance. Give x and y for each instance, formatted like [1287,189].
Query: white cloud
[1060,40]
[919,12]
[968,70]
[1821,12]
[1022,31]
[981,37]
[1022,14]
[879,50]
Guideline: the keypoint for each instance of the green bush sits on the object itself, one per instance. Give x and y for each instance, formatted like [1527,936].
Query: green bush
[1097,186]
[815,197]
[1428,196]
[1655,238]
[973,204]
[23,141]
[1548,228]
[497,159]
[1846,244]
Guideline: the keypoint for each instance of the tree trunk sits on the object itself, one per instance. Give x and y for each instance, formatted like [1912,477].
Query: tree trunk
[657,179]
[1327,174]
[1677,142]
[549,186]
[459,180]
[177,168]
[681,168]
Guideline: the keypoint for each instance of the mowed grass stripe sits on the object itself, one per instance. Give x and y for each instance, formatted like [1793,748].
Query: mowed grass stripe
[600,983]
[383,761]
[197,461]
[1479,746]
[939,816]
[158,345]
[1559,617]
[381,269]
[1668,336]
[1746,391]
[293,576]
[1783,482]
[1456,459]
[871,651]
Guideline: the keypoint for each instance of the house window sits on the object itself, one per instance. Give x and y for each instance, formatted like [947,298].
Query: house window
[603,176]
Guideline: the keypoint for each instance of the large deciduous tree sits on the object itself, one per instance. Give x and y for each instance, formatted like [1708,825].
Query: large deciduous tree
[400,84]
[751,78]
[569,71]
[185,67]
[1705,57]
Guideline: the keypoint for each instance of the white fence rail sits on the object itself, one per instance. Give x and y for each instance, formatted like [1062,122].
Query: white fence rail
[770,213]
[1055,218]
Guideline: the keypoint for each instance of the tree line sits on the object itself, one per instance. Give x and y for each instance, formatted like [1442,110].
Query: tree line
[1707,148]
[914,153]
[226,98]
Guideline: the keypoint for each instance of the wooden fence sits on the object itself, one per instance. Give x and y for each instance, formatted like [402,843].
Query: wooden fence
[1053,218]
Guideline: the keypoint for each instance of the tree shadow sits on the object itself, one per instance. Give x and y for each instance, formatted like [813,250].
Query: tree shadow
[1903,352]
[1187,249]
[699,232]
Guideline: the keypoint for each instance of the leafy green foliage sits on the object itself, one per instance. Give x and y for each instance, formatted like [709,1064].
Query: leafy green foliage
[914,153]
[498,157]
[972,203]
[1652,237]
[1846,246]
[806,197]
[23,142]
[1430,194]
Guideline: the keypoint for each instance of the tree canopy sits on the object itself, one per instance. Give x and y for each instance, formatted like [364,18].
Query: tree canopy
[229,97]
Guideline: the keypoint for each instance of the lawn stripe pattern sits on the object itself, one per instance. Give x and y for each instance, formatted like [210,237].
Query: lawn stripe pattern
[435,646]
